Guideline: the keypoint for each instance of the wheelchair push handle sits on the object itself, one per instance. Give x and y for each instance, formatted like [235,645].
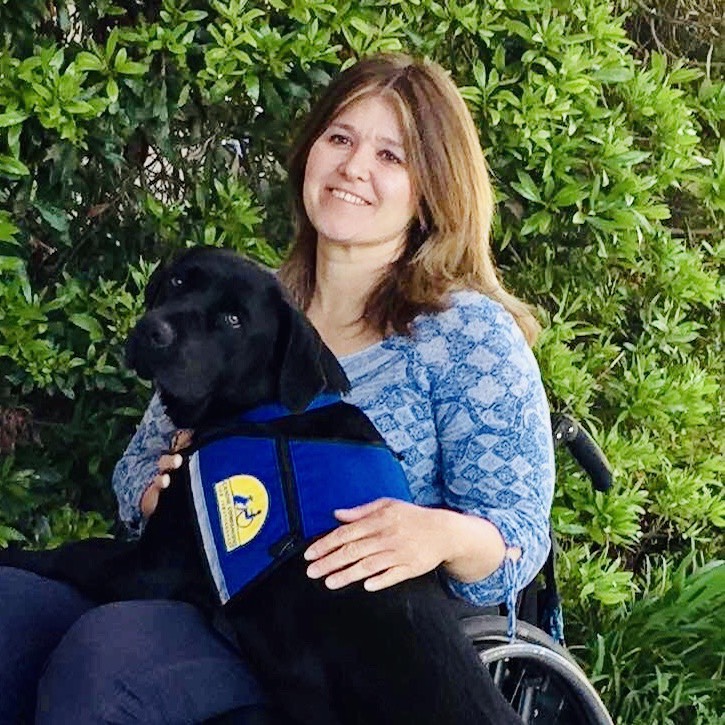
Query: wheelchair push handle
[582,446]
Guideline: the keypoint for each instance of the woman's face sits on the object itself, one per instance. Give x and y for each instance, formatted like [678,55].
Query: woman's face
[357,188]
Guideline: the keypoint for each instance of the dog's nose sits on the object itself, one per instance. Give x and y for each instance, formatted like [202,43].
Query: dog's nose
[159,333]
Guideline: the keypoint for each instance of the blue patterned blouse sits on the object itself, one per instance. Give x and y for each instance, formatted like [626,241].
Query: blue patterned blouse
[461,400]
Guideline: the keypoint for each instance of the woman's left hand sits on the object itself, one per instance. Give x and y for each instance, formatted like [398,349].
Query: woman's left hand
[383,543]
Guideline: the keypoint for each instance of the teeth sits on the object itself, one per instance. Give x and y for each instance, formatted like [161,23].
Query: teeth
[348,197]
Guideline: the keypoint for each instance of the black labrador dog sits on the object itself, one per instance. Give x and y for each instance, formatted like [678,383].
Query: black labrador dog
[219,338]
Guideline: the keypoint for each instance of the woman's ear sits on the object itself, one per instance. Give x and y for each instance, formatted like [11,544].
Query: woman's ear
[308,366]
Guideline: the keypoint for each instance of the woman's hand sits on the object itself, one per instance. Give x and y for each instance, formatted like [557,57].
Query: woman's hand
[168,462]
[383,543]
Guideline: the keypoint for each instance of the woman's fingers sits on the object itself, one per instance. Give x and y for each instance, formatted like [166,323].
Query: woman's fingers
[359,512]
[370,566]
[388,578]
[342,537]
[350,553]
[150,498]
[169,462]
[161,481]
[366,521]
[382,543]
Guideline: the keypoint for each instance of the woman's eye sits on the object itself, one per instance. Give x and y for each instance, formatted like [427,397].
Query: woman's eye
[390,156]
[339,139]
[231,319]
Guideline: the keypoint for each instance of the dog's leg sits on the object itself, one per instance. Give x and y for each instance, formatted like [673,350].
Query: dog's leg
[276,627]
[352,657]
[401,657]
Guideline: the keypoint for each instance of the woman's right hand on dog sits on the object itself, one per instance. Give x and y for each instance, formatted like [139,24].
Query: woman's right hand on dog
[167,462]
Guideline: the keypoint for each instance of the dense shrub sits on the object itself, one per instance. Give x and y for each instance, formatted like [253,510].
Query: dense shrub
[128,130]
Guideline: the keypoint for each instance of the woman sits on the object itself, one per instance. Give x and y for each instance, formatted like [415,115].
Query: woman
[392,264]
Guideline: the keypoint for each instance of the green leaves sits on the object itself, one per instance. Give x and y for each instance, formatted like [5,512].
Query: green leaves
[89,324]
[526,186]
[53,215]
[675,631]
[11,118]
[124,66]
[12,167]
[85,61]
[8,230]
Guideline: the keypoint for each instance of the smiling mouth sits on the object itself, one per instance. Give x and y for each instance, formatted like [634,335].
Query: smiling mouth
[349,198]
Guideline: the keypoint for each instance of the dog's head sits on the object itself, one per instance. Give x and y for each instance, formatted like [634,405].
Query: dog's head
[220,336]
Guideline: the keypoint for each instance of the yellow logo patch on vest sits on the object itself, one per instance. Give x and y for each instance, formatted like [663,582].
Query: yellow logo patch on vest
[243,504]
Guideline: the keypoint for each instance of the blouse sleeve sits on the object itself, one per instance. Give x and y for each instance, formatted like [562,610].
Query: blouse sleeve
[137,466]
[494,433]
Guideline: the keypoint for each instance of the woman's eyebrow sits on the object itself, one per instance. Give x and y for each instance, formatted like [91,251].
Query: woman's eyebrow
[351,129]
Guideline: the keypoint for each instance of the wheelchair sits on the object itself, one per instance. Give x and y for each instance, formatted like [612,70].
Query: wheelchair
[532,668]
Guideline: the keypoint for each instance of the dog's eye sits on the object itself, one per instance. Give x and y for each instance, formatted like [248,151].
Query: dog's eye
[177,282]
[231,319]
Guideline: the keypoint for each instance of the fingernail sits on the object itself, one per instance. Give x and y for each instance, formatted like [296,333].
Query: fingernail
[178,460]
[310,554]
[313,572]
[165,481]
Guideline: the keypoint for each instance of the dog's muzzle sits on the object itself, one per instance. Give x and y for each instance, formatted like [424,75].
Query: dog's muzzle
[149,344]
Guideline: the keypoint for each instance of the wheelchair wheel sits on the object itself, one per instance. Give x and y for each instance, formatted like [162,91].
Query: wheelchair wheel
[537,676]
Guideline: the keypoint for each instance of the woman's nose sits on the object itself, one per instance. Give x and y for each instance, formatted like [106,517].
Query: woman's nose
[356,164]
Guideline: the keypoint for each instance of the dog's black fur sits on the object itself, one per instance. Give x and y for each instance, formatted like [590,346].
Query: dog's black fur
[219,337]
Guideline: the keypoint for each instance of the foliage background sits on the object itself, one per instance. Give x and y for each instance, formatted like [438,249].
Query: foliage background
[131,129]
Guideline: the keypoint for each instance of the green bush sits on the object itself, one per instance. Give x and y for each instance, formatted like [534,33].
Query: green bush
[118,129]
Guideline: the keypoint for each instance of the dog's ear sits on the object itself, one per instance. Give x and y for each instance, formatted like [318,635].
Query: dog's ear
[154,285]
[308,366]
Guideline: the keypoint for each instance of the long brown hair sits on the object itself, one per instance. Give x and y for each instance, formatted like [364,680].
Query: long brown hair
[448,245]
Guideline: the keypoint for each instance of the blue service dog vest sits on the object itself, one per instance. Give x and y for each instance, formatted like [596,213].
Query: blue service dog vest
[259,498]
